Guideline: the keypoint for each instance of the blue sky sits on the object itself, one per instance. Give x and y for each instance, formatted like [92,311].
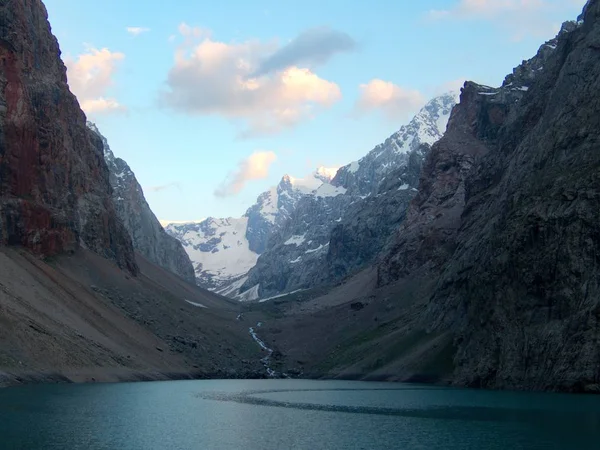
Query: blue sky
[210,105]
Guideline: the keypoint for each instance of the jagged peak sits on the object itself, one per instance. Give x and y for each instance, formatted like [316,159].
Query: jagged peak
[426,127]
[92,126]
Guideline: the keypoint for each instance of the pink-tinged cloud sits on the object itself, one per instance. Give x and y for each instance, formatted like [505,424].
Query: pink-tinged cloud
[90,77]
[209,77]
[255,167]
[394,101]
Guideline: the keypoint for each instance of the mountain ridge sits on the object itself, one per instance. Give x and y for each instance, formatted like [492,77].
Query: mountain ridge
[147,234]
[326,192]
[311,261]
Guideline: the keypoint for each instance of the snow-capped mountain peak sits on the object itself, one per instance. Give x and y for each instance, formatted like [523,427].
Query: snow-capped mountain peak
[226,251]
[426,127]
[218,249]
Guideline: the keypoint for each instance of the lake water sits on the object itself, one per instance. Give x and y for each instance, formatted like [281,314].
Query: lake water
[291,414]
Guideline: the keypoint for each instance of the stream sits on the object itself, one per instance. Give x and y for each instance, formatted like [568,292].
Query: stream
[267,359]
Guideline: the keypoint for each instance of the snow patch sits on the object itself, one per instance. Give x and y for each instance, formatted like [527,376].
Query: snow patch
[280,295]
[353,167]
[249,295]
[199,305]
[228,258]
[318,249]
[306,185]
[404,187]
[296,240]
[233,288]
[269,206]
[328,190]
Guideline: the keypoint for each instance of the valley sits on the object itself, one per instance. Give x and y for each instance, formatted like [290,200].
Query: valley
[464,250]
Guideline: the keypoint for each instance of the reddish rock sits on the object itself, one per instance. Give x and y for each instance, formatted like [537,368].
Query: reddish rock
[54,186]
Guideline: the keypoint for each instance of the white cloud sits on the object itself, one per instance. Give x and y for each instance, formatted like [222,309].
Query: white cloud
[216,78]
[90,77]
[136,31]
[101,105]
[394,101]
[255,167]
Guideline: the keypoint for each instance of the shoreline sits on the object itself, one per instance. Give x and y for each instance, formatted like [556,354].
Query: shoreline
[103,375]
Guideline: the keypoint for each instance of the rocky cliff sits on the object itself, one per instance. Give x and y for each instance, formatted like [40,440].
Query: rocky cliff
[75,315]
[55,195]
[368,223]
[344,225]
[147,234]
[506,222]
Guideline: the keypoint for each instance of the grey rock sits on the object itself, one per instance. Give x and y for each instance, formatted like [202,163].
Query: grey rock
[224,250]
[148,236]
[506,222]
[336,231]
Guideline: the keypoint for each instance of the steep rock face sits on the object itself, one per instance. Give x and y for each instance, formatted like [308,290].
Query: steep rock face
[427,127]
[274,207]
[296,254]
[341,227]
[148,236]
[54,188]
[425,239]
[369,223]
[507,219]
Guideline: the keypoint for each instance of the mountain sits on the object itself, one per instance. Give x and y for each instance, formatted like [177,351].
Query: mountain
[218,248]
[54,184]
[363,177]
[224,250]
[493,278]
[77,303]
[339,228]
[507,222]
[147,234]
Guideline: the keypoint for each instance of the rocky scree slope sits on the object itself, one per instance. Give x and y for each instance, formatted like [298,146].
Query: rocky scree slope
[342,228]
[74,315]
[506,222]
[55,195]
[147,234]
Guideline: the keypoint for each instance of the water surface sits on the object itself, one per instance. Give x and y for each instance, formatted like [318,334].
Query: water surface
[295,414]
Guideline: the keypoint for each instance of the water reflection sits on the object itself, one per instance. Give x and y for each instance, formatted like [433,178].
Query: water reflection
[264,414]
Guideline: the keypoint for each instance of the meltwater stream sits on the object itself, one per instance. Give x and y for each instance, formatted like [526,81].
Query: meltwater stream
[267,359]
[291,414]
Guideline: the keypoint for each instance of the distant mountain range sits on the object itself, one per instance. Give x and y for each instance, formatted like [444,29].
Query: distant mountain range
[224,250]
[282,242]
